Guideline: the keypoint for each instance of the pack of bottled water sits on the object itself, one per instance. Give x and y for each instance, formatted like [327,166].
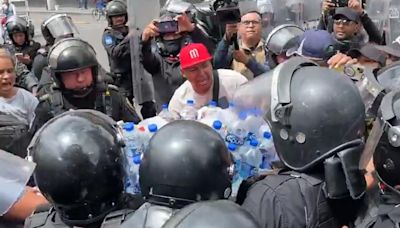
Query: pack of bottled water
[247,135]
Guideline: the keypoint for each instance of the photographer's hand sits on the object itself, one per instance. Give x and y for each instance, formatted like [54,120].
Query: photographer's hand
[150,31]
[240,56]
[184,23]
[327,5]
[230,29]
[356,6]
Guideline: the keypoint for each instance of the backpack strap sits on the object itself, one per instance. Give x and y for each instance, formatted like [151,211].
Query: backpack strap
[116,218]
[215,90]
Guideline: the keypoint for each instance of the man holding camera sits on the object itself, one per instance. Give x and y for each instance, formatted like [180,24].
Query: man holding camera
[248,56]
[355,17]
[170,32]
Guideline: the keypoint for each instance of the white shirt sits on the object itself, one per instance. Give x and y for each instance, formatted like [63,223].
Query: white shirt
[229,80]
[22,106]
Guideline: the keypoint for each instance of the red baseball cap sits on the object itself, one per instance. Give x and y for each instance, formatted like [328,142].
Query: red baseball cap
[193,54]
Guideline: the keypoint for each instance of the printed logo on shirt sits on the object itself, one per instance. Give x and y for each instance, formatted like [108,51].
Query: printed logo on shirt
[194,53]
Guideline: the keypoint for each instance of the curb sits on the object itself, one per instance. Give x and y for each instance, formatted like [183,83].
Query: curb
[58,11]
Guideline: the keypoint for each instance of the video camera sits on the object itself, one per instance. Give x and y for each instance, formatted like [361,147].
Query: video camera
[168,26]
[341,3]
[227,11]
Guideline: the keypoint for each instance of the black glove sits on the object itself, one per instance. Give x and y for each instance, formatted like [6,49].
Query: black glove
[148,109]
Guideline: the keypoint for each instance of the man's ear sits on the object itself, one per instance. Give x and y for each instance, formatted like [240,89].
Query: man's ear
[183,75]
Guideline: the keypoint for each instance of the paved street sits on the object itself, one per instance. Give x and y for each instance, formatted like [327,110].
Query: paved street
[90,30]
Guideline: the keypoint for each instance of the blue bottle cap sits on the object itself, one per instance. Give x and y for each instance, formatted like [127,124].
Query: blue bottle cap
[267,135]
[231,147]
[190,102]
[129,126]
[213,103]
[165,106]
[217,125]
[242,115]
[254,142]
[137,159]
[152,128]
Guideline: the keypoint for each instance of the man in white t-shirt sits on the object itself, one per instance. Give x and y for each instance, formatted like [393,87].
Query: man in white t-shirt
[200,85]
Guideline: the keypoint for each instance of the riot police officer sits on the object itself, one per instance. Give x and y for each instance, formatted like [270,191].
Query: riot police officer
[77,85]
[54,28]
[185,162]
[80,169]
[212,214]
[21,33]
[383,144]
[280,40]
[116,42]
[318,137]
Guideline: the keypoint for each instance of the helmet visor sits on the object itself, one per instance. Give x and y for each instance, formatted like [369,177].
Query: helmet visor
[61,26]
[283,37]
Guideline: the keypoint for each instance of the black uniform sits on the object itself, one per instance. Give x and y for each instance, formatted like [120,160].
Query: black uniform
[108,101]
[320,145]
[119,56]
[40,62]
[116,42]
[385,148]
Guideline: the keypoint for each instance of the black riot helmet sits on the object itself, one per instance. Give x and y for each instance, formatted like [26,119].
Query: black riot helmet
[281,39]
[212,214]
[79,168]
[384,142]
[71,54]
[116,8]
[17,24]
[186,161]
[315,114]
[57,27]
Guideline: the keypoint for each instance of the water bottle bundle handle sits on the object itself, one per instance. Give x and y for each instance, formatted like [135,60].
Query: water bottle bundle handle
[215,90]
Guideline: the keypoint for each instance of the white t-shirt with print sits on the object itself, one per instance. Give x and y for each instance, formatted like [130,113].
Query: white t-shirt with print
[229,81]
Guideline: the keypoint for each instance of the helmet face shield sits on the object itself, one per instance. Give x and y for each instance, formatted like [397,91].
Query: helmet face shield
[61,26]
[283,37]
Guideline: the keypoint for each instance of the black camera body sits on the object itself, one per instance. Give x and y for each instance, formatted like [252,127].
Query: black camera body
[341,3]
[227,11]
[167,27]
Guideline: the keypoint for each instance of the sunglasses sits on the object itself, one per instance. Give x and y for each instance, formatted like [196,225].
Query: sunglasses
[342,21]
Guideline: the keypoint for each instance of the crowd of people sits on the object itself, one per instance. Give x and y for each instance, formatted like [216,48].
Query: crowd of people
[330,96]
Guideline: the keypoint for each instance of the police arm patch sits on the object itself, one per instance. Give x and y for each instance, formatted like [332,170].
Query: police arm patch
[108,40]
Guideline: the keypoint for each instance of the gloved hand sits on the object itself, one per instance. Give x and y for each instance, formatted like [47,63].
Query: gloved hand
[148,109]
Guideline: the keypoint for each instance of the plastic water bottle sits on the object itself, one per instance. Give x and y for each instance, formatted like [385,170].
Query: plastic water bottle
[251,161]
[217,125]
[238,131]
[229,115]
[236,179]
[151,130]
[267,149]
[166,114]
[189,112]
[253,121]
[133,155]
